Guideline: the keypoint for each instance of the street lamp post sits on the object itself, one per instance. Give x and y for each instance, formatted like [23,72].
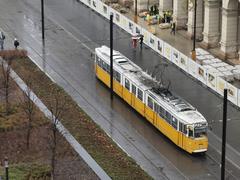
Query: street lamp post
[6,167]
[42,12]
[224,135]
[194,31]
[135,16]
[111,55]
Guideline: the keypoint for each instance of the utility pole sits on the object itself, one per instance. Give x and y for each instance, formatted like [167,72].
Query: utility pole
[194,31]
[42,11]
[224,134]
[111,55]
[135,16]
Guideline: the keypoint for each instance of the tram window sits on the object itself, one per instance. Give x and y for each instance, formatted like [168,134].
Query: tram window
[161,112]
[181,127]
[156,107]
[174,122]
[140,94]
[184,129]
[108,68]
[104,66]
[150,103]
[134,90]
[127,84]
[168,117]
[190,133]
[117,76]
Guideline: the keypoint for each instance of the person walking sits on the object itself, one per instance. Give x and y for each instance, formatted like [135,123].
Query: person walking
[16,43]
[2,38]
[141,40]
[173,28]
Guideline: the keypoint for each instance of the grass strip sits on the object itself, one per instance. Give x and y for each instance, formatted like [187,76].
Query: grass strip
[108,155]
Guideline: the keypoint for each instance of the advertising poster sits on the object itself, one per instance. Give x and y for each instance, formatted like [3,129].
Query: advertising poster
[145,36]
[167,51]
[183,62]
[232,93]
[221,84]
[152,41]
[211,80]
[175,56]
[159,46]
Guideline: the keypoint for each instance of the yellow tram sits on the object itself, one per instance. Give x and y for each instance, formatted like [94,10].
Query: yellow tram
[170,114]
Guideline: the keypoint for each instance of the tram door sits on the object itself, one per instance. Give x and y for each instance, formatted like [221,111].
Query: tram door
[180,135]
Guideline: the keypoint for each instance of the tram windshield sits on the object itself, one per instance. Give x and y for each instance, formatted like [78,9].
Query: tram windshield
[200,131]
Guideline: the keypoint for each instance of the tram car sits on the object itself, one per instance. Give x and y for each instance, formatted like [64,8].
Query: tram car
[169,113]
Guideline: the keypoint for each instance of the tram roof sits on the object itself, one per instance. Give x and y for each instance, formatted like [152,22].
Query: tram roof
[119,60]
[184,110]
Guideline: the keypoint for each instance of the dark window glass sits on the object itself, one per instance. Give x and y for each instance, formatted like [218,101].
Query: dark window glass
[181,127]
[108,68]
[140,94]
[117,76]
[104,66]
[168,117]
[174,122]
[150,103]
[156,107]
[184,129]
[127,84]
[134,90]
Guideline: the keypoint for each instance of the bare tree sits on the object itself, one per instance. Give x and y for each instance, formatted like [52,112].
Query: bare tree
[57,108]
[27,103]
[6,70]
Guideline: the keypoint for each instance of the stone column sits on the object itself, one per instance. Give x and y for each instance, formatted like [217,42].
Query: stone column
[180,13]
[229,32]
[199,23]
[165,5]
[211,34]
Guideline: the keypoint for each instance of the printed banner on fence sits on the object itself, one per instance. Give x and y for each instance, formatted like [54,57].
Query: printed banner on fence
[152,41]
[175,56]
[146,35]
[232,93]
[211,80]
[167,51]
[95,5]
[183,62]
[201,74]
[193,68]
[124,23]
[160,46]
[221,84]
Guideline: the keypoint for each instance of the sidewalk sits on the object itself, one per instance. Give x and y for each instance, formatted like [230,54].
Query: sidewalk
[180,40]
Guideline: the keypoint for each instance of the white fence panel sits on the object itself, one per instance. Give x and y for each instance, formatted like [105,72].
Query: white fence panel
[221,85]
[94,5]
[238,97]
[212,81]
[160,46]
[124,23]
[183,62]
[193,68]
[146,35]
[167,51]
[104,10]
[232,93]
[117,18]
[130,26]
[201,74]
[137,29]
[175,56]
[153,41]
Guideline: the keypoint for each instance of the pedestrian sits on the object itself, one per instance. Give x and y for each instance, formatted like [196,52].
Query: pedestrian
[141,40]
[2,38]
[173,28]
[16,43]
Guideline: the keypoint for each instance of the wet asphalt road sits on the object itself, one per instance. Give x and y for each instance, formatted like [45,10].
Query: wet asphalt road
[74,64]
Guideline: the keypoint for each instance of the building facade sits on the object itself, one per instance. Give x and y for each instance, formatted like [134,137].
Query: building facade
[217,25]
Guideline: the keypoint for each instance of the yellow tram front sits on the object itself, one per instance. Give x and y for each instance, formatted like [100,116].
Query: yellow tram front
[196,140]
